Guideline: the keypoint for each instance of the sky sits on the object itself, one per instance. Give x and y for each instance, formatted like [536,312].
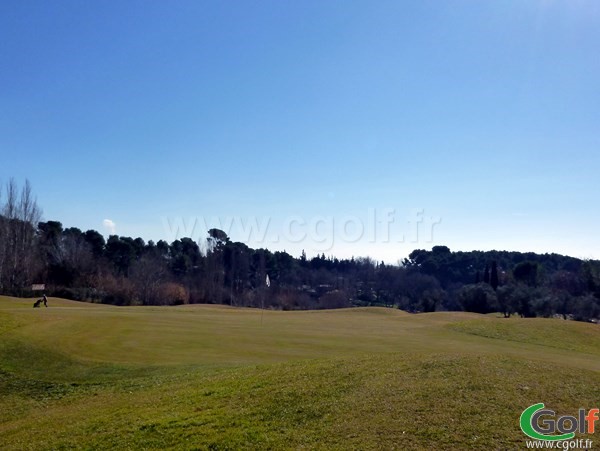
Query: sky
[349,128]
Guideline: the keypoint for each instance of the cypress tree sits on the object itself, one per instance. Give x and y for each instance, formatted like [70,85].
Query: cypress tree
[486,274]
[494,276]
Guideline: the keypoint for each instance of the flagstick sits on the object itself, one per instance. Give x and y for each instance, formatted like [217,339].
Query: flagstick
[262,299]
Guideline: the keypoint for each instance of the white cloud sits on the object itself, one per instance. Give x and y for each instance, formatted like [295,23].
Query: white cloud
[110,226]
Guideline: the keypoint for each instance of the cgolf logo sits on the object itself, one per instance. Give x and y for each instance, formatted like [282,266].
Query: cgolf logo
[541,424]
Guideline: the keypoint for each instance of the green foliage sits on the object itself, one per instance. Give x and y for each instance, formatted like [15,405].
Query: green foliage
[96,242]
[586,308]
[591,276]
[478,298]
[127,271]
[527,273]
[121,252]
[507,300]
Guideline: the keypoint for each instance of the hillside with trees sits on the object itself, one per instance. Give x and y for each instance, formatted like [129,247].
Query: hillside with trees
[83,265]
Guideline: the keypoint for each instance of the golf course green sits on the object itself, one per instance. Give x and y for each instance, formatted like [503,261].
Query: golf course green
[87,376]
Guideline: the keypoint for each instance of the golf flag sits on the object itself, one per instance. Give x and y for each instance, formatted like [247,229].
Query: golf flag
[267,281]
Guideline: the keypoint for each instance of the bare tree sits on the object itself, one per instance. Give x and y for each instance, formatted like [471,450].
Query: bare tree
[29,215]
[18,251]
[148,274]
[2,242]
[9,213]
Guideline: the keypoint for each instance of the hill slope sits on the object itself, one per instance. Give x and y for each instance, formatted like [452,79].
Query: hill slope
[92,376]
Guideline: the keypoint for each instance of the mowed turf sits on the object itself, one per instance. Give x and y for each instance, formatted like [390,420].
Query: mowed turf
[87,376]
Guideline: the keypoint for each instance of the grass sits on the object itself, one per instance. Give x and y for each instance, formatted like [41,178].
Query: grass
[204,377]
[569,335]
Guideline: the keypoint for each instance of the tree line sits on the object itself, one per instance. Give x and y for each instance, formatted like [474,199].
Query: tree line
[83,265]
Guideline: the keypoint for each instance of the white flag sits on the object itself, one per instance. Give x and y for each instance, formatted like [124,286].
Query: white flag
[268,281]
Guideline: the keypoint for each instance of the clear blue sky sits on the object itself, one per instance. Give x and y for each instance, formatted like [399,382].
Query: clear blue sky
[484,115]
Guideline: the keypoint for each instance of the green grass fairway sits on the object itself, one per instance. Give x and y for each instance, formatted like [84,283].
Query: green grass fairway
[87,376]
